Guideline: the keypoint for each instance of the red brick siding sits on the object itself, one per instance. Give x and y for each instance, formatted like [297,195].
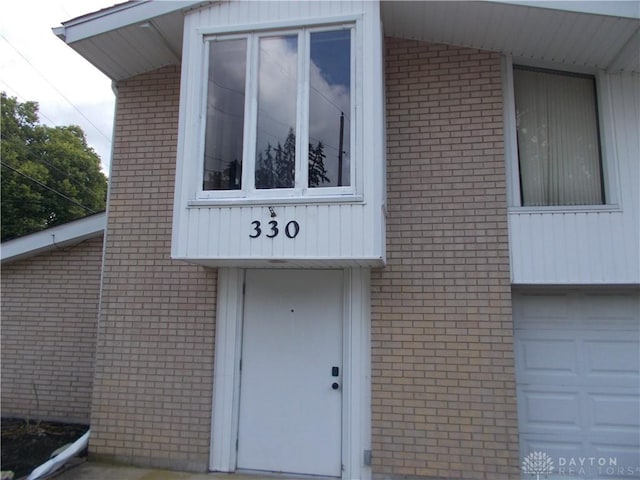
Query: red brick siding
[154,363]
[443,388]
[49,320]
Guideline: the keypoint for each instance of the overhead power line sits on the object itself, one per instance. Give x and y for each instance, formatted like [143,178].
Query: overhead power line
[38,182]
[56,89]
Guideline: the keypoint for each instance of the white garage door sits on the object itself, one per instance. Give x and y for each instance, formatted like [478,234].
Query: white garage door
[578,371]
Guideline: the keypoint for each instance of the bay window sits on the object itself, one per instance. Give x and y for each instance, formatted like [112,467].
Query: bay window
[558,138]
[279,113]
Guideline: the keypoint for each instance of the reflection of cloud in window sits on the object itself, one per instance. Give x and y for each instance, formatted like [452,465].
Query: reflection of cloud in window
[278,89]
[277,96]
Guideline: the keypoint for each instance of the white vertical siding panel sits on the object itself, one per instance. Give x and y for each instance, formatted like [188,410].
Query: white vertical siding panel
[533,247]
[192,234]
[579,237]
[228,222]
[311,233]
[298,244]
[244,241]
[573,248]
[245,13]
[325,231]
[630,84]
[202,231]
[595,261]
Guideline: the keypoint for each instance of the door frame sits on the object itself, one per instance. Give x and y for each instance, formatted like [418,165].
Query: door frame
[356,382]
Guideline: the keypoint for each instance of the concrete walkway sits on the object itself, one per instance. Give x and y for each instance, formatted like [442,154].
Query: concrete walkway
[108,471]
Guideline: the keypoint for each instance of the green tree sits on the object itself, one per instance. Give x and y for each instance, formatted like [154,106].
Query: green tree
[49,175]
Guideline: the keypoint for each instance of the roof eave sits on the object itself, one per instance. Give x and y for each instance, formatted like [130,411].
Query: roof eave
[119,16]
[53,238]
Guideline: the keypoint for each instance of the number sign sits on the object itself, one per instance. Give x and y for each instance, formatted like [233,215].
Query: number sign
[291,229]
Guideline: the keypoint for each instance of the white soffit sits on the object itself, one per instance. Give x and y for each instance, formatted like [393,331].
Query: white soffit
[525,30]
[53,238]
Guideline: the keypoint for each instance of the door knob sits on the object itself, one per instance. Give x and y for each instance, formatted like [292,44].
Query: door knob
[335,385]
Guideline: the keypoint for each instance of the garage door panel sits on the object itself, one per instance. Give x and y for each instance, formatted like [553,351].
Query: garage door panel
[549,411]
[542,308]
[623,455]
[615,411]
[540,356]
[613,360]
[553,446]
[596,308]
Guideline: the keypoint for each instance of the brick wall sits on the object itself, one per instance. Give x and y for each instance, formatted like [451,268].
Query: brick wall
[443,390]
[49,318]
[154,362]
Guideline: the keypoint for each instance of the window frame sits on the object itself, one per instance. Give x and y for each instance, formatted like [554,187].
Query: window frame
[248,193]
[608,164]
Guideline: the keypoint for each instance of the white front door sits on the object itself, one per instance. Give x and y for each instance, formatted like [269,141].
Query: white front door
[291,372]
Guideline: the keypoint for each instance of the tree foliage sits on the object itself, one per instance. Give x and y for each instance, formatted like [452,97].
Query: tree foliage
[49,174]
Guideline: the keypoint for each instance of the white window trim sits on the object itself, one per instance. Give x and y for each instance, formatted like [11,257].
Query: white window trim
[607,145]
[301,191]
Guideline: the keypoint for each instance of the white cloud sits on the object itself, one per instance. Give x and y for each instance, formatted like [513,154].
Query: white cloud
[37,66]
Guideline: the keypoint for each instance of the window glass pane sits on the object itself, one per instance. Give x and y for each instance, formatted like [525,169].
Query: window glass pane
[330,109]
[225,115]
[558,139]
[277,98]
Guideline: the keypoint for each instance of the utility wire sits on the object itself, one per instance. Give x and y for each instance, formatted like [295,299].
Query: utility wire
[21,97]
[66,175]
[47,187]
[55,88]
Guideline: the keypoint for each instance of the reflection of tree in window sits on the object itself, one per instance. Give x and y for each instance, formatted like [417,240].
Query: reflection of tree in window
[330,104]
[226,179]
[275,167]
[277,99]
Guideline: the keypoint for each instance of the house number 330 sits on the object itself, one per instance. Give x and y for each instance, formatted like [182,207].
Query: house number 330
[291,229]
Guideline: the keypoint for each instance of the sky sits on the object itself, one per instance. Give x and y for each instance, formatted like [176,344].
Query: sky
[35,65]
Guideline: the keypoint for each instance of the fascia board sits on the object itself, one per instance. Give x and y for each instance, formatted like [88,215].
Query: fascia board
[118,17]
[53,238]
